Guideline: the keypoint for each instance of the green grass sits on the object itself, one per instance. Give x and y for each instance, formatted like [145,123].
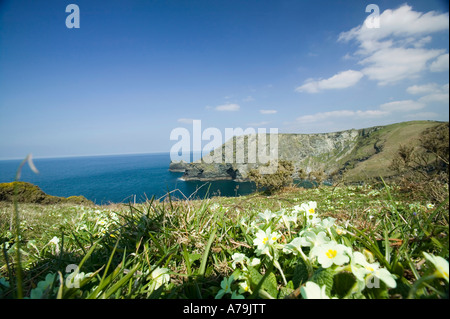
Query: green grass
[184,249]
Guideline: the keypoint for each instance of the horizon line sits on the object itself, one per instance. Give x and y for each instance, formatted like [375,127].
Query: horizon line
[87,155]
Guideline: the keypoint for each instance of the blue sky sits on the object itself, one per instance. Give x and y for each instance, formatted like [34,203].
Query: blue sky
[136,70]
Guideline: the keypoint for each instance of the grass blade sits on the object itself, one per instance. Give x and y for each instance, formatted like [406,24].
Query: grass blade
[202,269]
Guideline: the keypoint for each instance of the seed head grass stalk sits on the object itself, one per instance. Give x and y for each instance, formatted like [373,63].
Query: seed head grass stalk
[17,238]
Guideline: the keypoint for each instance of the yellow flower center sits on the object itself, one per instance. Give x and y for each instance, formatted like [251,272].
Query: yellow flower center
[369,268]
[274,238]
[311,210]
[442,271]
[265,240]
[331,253]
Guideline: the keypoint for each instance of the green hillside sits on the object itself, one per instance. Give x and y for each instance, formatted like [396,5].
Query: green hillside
[362,154]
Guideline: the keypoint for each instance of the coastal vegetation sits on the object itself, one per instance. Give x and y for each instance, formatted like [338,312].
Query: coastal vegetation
[255,246]
[381,239]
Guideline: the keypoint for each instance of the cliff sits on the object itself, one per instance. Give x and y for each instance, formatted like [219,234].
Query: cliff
[29,193]
[363,153]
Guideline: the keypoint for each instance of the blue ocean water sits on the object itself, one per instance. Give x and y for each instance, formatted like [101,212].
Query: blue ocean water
[117,178]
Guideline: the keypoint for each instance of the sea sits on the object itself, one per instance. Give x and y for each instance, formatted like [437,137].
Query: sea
[118,179]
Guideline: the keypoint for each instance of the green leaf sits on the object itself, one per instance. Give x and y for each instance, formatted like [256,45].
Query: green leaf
[398,269]
[324,276]
[301,274]
[269,283]
[403,287]
[193,258]
[381,292]
[121,282]
[285,291]
[343,283]
[254,277]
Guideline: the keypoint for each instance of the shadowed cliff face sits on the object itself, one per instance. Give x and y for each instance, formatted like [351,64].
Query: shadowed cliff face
[365,152]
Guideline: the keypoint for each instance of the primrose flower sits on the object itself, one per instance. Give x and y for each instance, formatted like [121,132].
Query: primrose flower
[226,287]
[255,262]
[369,270]
[161,276]
[288,217]
[440,264]
[310,211]
[244,287]
[311,290]
[102,222]
[311,239]
[331,253]
[267,215]
[369,256]
[295,246]
[296,209]
[264,240]
[238,258]
[55,241]
[327,223]
[309,207]
[340,231]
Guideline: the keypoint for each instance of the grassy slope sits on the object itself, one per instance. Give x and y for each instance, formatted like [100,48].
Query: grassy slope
[390,138]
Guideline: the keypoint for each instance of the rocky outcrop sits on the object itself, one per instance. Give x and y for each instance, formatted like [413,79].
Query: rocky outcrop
[29,193]
[328,152]
[207,172]
[176,166]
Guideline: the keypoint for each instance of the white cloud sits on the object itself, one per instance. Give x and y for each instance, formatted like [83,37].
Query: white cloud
[395,51]
[432,93]
[348,114]
[442,98]
[440,64]
[384,110]
[267,111]
[394,64]
[402,22]
[424,89]
[402,106]
[421,42]
[341,80]
[230,107]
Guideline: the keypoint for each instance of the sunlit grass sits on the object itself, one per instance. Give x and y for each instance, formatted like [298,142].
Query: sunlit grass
[187,249]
